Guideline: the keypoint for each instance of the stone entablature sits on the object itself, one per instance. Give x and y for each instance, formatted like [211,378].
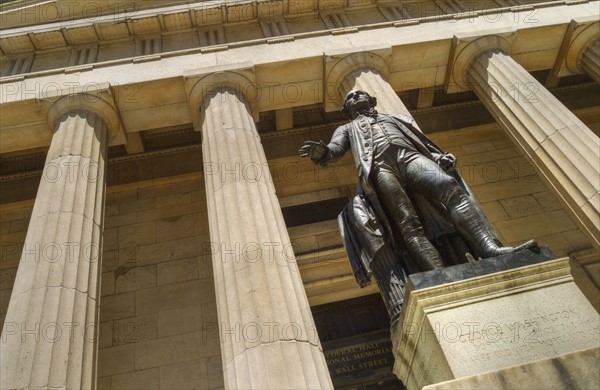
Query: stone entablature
[126,32]
[150,94]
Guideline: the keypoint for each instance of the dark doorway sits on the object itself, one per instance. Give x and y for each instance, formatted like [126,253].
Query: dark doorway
[355,336]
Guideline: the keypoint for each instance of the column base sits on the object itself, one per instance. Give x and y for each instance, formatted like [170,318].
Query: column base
[466,320]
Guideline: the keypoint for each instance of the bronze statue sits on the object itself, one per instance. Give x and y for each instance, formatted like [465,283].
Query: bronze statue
[412,211]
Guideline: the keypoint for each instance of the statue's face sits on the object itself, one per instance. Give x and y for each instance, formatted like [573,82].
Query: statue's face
[357,101]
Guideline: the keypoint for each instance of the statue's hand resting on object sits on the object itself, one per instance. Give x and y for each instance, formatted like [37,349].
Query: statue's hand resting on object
[447,162]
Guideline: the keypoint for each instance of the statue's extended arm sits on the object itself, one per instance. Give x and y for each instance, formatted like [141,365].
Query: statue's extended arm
[322,154]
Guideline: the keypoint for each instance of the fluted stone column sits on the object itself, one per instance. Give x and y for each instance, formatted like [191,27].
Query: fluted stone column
[268,337]
[590,60]
[561,146]
[49,337]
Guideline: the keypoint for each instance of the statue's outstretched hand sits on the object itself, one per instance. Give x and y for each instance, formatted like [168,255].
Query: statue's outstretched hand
[316,151]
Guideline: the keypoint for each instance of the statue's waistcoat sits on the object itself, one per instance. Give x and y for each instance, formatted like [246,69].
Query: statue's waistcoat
[360,136]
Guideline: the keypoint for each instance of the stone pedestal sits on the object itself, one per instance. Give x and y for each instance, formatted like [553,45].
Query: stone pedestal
[268,337]
[486,316]
[50,332]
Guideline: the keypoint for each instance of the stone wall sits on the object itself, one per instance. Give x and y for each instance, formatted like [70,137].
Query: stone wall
[158,316]
[158,313]
[14,219]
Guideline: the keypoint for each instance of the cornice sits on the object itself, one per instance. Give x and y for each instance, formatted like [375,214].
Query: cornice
[127,25]
[418,61]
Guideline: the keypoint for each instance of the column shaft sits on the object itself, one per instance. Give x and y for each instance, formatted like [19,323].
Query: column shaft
[49,337]
[563,149]
[590,60]
[372,82]
[268,337]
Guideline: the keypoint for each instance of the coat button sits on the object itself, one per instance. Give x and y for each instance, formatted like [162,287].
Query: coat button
[367,144]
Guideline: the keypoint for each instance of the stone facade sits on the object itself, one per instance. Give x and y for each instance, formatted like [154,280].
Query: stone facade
[159,139]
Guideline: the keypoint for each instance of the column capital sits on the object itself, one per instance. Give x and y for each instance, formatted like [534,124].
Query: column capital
[466,47]
[96,98]
[339,64]
[202,83]
[580,34]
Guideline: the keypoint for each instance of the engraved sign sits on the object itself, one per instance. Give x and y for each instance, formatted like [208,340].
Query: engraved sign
[367,360]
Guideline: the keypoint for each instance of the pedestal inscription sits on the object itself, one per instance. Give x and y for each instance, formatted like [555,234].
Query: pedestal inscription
[513,328]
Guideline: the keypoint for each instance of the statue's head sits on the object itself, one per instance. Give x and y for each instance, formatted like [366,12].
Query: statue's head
[357,101]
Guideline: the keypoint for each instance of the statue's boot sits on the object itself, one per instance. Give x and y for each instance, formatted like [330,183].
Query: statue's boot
[471,227]
[422,250]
